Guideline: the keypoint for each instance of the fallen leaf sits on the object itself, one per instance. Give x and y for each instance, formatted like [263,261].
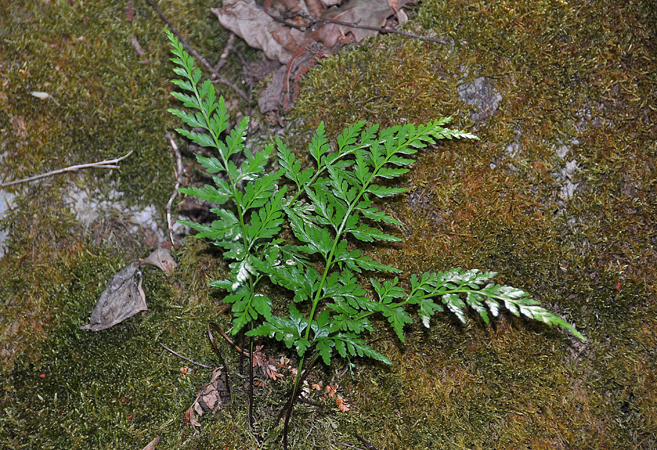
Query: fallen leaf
[267,364]
[372,13]
[162,259]
[330,390]
[122,298]
[298,48]
[151,445]
[396,6]
[342,404]
[208,399]
[250,22]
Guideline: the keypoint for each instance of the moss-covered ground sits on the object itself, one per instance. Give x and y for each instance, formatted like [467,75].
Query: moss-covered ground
[575,75]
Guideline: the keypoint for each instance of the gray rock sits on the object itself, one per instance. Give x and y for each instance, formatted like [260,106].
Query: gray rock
[481,94]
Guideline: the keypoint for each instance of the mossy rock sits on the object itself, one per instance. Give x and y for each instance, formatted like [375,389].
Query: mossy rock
[575,80]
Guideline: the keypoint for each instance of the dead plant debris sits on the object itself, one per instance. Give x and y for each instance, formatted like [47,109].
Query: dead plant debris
[122,298]
[297,33]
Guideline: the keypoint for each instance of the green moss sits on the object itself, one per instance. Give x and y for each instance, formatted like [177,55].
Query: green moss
[106,101]
[565,72]
[113,389]
[568,76]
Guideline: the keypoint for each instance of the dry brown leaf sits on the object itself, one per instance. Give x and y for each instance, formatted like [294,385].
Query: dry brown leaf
[282,43]
[372,13]
[342,404]
[250,22]
[162,259]
[208,399]
[330,390]
[298,49]
[122,298]
[267,364]
[315,7]
[396,6]
[281,89]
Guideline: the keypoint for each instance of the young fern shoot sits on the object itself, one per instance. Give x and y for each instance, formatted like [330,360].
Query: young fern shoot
[326,207]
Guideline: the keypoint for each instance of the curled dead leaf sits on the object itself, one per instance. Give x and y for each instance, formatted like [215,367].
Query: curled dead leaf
[162,259]
[289,30]
[208,399]
[342,404]
[250,22]
[122,298]
[267,364]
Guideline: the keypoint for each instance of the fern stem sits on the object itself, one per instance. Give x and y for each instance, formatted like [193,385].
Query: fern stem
[251,381]
[301,376]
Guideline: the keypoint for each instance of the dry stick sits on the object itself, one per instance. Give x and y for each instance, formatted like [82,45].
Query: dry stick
[365,443]
[198,57]
[178,171]
[350,25]
[223,59]
[239,350]
[99,165]
[241,355]
[221,358]
[348,445]
[384,30]
[185,358]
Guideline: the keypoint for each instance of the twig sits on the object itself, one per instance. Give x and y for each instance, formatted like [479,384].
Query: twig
[348,445]
[100,165]
[197,55]
[223,59]
[313,22]
[239,350]
[344,372]
[365,443]
[185,358]
[384,30]
[178,171]
[221,358]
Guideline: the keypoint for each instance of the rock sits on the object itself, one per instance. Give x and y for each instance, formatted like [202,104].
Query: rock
[482,94]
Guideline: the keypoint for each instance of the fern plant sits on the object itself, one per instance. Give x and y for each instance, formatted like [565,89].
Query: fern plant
[325,206]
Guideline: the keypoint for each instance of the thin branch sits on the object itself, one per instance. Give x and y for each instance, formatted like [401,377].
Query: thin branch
[348,445]
[221,358]
[185,358]
[220,78]
[178,171]
[100,165]
[223,59]
[365,443]
[239,350]
[384,30]
[313,22]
